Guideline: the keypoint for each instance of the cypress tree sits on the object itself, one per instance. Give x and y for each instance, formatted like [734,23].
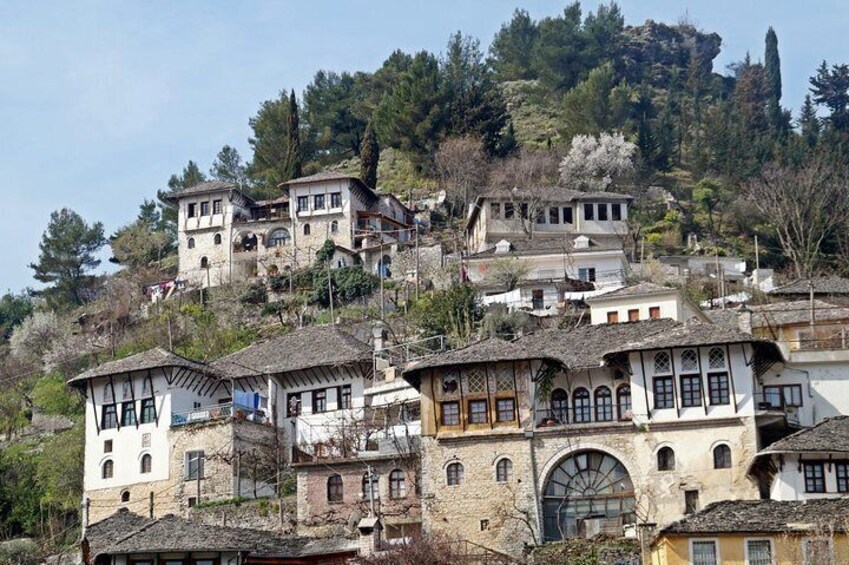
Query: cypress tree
[293,145]
[772,68]
[809,123]
[369,157]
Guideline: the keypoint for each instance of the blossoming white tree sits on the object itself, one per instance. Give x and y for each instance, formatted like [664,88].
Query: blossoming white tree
[597,163]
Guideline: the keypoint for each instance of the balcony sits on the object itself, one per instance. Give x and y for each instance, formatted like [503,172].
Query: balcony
[262,215]
[771,408]
[218,412]
[547,418]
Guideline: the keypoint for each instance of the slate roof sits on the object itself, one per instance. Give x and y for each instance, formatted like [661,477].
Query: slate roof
[547,245]
[204,187]
[150,359]
[830,435]
[822,285]
[726,318]
[639,289]
[324,176]
[314,346]
[765,516]
[795,312]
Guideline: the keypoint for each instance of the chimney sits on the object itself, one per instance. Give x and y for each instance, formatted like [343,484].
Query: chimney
[744,319]
[370,529]
[378,334]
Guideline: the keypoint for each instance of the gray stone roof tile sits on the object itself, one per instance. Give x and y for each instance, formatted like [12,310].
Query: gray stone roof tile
[830,435]
[150,359]
[639,289]
[822,285]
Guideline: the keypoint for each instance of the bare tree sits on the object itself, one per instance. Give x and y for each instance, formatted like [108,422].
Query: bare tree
[508,273]
[805,207]
[461,164]
[530,181]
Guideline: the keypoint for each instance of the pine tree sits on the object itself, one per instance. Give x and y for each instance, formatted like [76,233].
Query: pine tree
[512,47]
[508,144]
[772,68]
[293,145]
[830,88]
[228,167]
[369,157]
[809,123]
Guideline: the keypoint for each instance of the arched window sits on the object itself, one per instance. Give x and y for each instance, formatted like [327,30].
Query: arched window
[334,227]
[716,358]
[722,457]
[603,404]
[623,401]
[107,470]
[335,488]
[581,406]
[665,459]
[370,487]
[146,463]
[204,263]
[397,484]
[504,471]
[191,243]
[217,239]
[454,474]
[689,361]
[560,405]
[279,237]
[662,365]
[306,229]
[125,496]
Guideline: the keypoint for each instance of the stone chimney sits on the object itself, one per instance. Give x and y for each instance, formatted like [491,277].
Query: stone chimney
[744,319]
[370,529]
[379,334]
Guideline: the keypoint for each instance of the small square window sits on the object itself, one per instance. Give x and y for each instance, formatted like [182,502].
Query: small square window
[450,414]
[505,410]
[654,312]
[633,315]
[478,412]
[107,446]
[613,317]
[145,440]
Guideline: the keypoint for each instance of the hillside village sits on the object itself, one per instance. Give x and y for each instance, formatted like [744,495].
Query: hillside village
[592,314]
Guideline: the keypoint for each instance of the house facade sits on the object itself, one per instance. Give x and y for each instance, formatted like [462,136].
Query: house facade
[643,301]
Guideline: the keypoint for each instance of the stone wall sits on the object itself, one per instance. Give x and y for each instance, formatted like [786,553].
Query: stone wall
[261,514]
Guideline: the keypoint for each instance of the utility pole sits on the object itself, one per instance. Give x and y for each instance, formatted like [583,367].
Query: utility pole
[813,312]
[380,278]
[416,227]
[370,489]
[642,249]
[330,292]
[757,254]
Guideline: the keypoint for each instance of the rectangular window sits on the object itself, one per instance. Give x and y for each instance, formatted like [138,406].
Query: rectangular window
[318,200]
[128,414]
[663,397]
[540,218]
[293,405]
[148,411]
[586,274]
[691,501]
[217,207]
[759,552]
[495,210]
[589,212]
[537,299]
[319,401]
[478,412]
[654,312]
[842,472]
[718,385]
[814,477]
[634,315]
[554,215]
[109,418]
[192,210]
[783,396]
[505,410]
[204,208]
[107,446]
[616,212]
[602,212]
[508,210]
[567,215]
[450,413]
[335,199]
[345,396]
[523,210]
[691,390]
[303,203]
[613,317]
[194,465]
[703,552]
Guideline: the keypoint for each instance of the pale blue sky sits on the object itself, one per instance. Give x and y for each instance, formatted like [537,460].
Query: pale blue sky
[101,101]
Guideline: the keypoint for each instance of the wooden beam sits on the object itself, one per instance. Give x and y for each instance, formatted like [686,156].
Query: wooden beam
[646,386]
[703,378]
[94,406]
[731,375]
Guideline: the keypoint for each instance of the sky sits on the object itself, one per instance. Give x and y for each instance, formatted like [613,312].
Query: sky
[100,102]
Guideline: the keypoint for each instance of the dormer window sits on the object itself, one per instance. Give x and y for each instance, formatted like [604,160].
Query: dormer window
[502,247]
[582,242]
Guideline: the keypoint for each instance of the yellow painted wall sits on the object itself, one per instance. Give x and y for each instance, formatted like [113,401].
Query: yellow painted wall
[787,548]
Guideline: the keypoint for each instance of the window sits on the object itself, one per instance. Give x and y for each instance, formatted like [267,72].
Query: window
[758,552]
[194,465]
[814,477]
[716,358]
[319,401]
[334,227]
[654,312]
[454,474]
[279,238]
[108,469]
[718,387]
[783,396]
[128,414]
[554,215]
[540,219]
[125,496]
[303,203]
[192,210]
[508,210]
[107,446]
[335,199]
[560,405]
[204,263]
[586,274]
[344,396]
[663,397]
[146,463]
[588,212]
[216,206]
[665,459]
[567,215]
[842,472]
[523,210]
[721,457]
[504,471]
[148,411]
[689,361]
[616,212]
[477,412]
[633,315]
[623,402]
[217,239]
[613,317]
[691,391]
[450,413]
[397,484]
[581,405]
[703,552]
[318,202]
[691,501]
[371,486]
[191,243]
[306,229]
[662,363]
[537,299]
[602,212]
[603,404]
[109,419]
[505,410]
[335,488]
[293,405]
[204,208]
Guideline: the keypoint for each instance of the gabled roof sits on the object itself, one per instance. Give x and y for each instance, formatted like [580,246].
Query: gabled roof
[369,193]
[521,245]
[313,346]
[830,435]
[822,285]
[204,188]
[765,516]
[156,358]
[795,312]
[639,289]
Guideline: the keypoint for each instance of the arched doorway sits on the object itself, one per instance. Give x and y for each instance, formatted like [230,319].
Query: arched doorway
[588,492]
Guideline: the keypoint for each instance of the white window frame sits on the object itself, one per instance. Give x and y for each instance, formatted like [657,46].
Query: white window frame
[771,548]
[715,544]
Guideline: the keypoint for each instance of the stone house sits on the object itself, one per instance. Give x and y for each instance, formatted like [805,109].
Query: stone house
[831,289]
[599,429]
[642,301]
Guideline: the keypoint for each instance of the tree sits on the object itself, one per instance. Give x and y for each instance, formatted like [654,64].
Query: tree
[67,255]
[712,196]
[14,308]
[461,165]
[190,176]
[294,163]
[145,241]
[529,180]
[510,51]
[228,167]
[369,157]
[508,273]
[597,163]
[830,87]
[809,123]
[603,33]
[334,113]
[596,104]
[772,67]
[454,312]
[558,52]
